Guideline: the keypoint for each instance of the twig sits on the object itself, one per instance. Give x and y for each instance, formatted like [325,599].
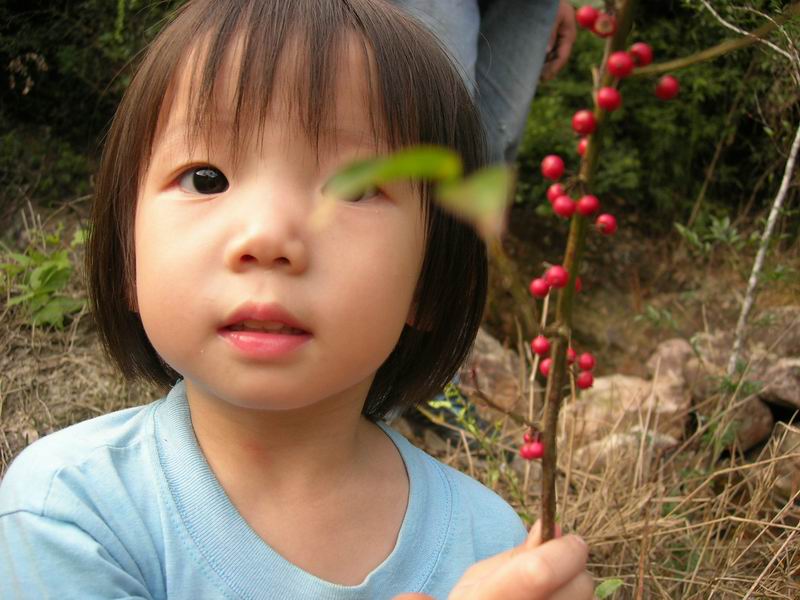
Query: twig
[720,49]
[733,27]
[762,251]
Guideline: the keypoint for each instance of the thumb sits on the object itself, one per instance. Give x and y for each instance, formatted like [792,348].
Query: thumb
[534,538]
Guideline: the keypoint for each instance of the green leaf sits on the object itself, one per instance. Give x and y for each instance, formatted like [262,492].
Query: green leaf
[22,259]
[21,299]
[50,276]
[607,587]
[440,404]
[420,162]
[79,237]
[481,198]
[54,311]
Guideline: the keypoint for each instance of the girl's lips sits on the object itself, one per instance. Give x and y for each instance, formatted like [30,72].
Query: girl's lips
[263,344]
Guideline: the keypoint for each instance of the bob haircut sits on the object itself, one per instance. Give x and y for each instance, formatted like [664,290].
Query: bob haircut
[422,100]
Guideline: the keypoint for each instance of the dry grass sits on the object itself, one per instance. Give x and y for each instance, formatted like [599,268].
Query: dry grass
[668,525]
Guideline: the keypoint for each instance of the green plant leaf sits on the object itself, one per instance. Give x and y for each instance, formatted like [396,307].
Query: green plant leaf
[420,162]
[55,310]
[481,198]
[20,299]
[607,587]
[79,237]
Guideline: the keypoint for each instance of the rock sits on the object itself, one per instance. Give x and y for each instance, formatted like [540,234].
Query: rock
[787,471]
[778,330]
[618,403]
[670,358]
[433,443]
[621,448]
[702,378]
[782,383]
[497,369]
[755,423]
[403,427]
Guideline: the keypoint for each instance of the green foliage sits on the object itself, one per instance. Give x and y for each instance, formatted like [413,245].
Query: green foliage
[706,236]
[37,279]
[660,318]
[607,588]
[68,64]
[655,154]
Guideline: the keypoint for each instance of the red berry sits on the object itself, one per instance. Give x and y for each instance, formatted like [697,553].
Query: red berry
[641,53]
[667,87]
[582,146]
[586,16]
[570,356]
[540,345]
[608,98]
[606,224]
[557,276]
[588,205]
[544,367]
[528,437]
[584,380]
[536,449]
[539,287]
[586,361]
[605,25]
[578,284]
[583,122]
[552,166]
[564,206]
[554,191]
[620,64]
[532,450]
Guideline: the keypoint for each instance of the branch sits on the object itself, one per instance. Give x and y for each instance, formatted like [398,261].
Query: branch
[720,49]
[762,251]
[733,27]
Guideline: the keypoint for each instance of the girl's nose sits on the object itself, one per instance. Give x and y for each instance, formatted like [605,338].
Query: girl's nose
[269,234]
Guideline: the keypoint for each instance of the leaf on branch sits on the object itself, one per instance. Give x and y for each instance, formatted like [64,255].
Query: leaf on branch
[481,198]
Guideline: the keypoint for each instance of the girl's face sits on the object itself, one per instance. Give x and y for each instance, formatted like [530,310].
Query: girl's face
[211,239]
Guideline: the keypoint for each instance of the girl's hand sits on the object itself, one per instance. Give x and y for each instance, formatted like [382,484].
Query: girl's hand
[532,571]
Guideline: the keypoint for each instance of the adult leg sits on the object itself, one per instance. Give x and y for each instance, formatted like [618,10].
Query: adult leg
[511,51]
[456,23]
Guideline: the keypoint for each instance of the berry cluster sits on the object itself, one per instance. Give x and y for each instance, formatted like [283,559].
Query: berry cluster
[533,447]
[584,379]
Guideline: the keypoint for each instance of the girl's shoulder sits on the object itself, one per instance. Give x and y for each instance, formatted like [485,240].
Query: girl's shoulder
[476,510]
[80,456]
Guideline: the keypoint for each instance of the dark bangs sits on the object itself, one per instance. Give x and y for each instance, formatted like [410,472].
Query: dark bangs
[417,96]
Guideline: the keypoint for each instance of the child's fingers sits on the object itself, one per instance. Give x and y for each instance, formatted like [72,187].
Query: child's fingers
[413,596]
[539,572]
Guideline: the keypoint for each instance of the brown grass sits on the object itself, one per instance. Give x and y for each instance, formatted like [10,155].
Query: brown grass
[668,525]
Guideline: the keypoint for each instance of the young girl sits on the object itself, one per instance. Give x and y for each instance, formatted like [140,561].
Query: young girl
[267,470]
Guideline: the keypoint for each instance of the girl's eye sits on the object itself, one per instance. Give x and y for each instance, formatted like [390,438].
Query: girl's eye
[203,180]
[367,193]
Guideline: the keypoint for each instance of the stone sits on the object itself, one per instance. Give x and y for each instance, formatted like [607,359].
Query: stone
[778,330]
[702,378]
[403,427]
[498,375]
[433,443]
[670,357]
[787,471]
[621,448]
[617,403]
[782,383]
[755,423]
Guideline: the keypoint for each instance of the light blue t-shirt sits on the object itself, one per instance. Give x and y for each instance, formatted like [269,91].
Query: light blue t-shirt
[126,506]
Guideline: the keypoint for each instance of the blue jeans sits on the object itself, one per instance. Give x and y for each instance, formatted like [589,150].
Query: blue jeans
[500,55]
